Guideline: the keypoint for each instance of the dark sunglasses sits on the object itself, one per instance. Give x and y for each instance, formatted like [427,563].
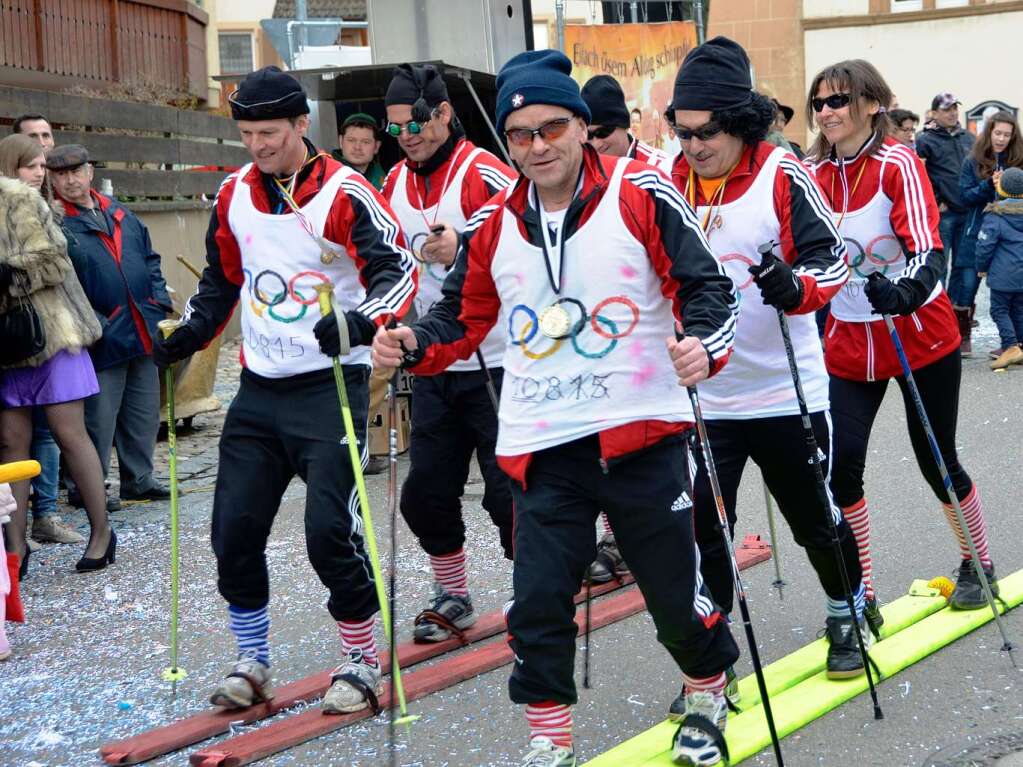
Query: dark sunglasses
[704,132]
[550,130]
[602,132]
[834,101]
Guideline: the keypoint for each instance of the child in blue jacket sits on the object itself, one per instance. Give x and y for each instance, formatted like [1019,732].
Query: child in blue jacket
[1000,259]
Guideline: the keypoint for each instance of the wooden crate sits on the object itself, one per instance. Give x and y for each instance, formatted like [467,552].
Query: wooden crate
[379,429]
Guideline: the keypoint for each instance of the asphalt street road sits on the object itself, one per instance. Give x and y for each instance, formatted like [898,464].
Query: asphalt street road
[87,664]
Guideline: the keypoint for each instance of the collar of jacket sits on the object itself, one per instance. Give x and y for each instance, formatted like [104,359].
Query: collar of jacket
[310,179]
[1007,207]
[746,166]
[107,206]
[594,182]
[101,201]
[942,131]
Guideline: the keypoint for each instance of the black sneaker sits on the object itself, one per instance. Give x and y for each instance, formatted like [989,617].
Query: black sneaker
[844,659]
[154,493]
[610,563]
[447,614]
[873,617]
[968,593]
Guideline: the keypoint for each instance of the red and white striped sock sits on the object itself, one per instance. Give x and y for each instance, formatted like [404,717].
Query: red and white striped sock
[359,635]
[858,517]
[550,720]
[607,524]
[973,513]
[449,572]
[715,684]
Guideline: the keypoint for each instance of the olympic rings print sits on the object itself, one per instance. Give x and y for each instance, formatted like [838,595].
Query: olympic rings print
[288,290]
[744,262]
[869,255]
[436,271]
[523,334]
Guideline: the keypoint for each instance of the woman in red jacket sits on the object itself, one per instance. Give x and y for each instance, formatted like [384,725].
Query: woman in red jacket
[886,212]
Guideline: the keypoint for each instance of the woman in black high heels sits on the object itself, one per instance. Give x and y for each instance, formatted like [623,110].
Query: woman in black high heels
[35,270]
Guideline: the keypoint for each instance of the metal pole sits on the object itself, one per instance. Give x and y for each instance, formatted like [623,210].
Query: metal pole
[701,34]
[634,10]
[483,113]
[559,23]
[301,15]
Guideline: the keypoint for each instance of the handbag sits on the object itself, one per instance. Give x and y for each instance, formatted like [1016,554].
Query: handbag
[21,331]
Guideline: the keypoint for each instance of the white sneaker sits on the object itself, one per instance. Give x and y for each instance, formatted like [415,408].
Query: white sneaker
[700,740]
[355,684]
[53,529]
[543,753]
[246,684]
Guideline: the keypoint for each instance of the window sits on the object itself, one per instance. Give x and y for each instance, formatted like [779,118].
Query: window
[236,53]
[951,3]
[906,5]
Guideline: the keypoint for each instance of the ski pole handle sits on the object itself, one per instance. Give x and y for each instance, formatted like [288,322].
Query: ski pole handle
[325,298]
[167,327]
[18,471]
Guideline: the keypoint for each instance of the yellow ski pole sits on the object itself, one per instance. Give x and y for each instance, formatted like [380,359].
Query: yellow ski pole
[325,291]
[174,673]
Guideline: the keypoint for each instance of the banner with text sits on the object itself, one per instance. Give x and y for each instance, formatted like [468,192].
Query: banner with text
[644,59]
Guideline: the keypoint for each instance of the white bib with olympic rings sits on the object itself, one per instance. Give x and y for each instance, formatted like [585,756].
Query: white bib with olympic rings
[871,246]
[611,368]
[756,382]
[413,222]
[282,266]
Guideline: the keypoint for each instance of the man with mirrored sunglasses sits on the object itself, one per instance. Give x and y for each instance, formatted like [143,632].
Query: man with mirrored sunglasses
[585,266]
[608,132]
[748,192]
[442,181]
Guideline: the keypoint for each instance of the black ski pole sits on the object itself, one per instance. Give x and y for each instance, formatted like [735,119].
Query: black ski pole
[740,589]
[766,254]
[907,371]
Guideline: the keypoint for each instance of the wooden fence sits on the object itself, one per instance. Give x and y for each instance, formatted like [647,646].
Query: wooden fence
[55,43]
[148,139]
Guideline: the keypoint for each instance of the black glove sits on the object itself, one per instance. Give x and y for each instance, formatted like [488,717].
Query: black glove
[889,297]
[182,343]
[360,332]
[779,287]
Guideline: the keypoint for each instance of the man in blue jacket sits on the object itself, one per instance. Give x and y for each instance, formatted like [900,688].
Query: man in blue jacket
[110,249]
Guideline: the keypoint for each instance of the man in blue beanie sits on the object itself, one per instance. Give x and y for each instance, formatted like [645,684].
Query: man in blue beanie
[590,262]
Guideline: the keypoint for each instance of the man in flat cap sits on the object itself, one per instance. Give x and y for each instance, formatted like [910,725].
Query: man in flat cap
[292,219]
[585,266]
[442,182]
[120,272]
[608,131]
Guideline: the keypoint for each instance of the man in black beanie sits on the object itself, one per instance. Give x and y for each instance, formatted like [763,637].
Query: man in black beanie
[584,267]
[608,133]
[291,220]
[747,192]
[443,180]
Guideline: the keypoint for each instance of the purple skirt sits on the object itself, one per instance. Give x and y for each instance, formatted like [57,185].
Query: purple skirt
[65,377]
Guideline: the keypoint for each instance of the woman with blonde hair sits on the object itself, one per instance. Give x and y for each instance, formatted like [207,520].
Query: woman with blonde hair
[886,212]
[57,374]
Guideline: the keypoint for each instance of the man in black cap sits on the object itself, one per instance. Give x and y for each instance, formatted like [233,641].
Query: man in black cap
[584,267]
[120,273]
[608,132]
[443,180]
[747,192]
[291,220]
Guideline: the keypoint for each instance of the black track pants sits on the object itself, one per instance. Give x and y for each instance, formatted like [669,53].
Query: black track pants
[646,498]
[452,416]
[778,446]
[854,404]
[275,429]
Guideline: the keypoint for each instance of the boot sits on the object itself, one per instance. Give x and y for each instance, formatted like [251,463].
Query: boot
[965,330]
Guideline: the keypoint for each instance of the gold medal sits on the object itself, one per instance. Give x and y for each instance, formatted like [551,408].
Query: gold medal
[327,257]
[555,322]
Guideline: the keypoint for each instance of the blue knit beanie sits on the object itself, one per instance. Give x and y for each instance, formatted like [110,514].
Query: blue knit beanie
[538,77]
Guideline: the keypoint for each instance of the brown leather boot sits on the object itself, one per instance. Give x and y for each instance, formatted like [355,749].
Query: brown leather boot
[965,330]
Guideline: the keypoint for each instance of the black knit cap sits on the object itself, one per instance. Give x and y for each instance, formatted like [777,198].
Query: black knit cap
[715,75]
[409,82]
[268,94]
[606,100]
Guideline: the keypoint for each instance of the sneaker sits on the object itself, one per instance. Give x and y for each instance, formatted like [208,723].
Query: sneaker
[609,563]
[447,614]
[872,615]
[699,740]
[154,493]
[246,684]
[844,659]
[53,529]
[377,464]
[677,709]
[968,593]
[543,753]
[1011,355]
[355,685]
